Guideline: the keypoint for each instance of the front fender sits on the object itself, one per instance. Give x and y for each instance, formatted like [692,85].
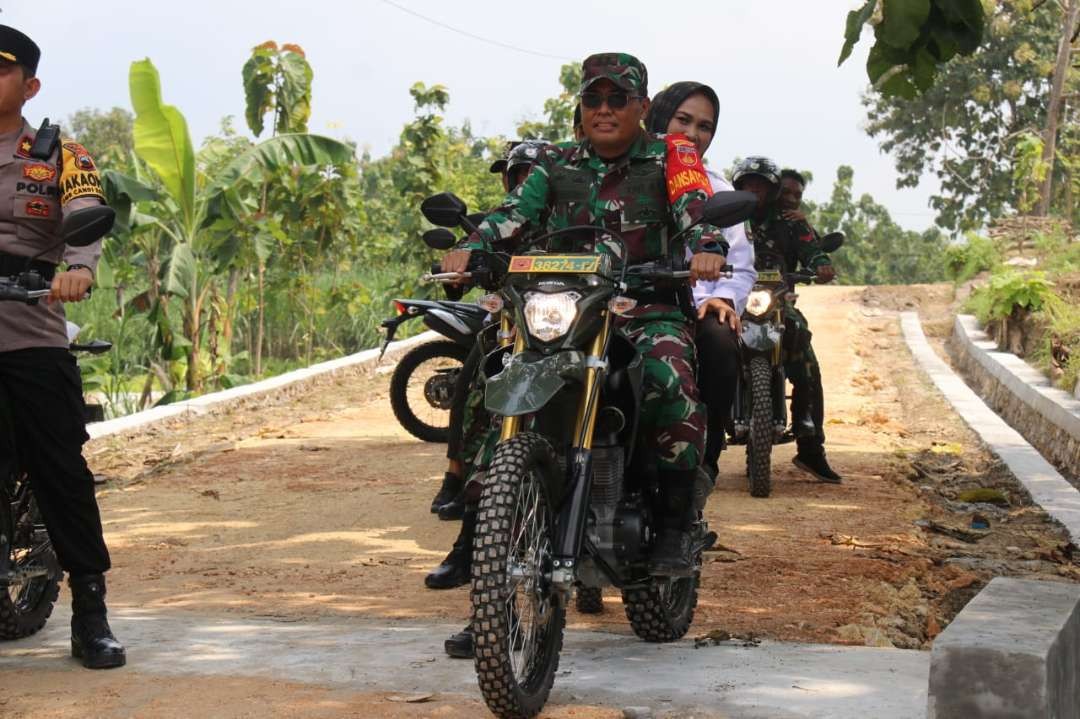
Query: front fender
[528,382]
[761,337]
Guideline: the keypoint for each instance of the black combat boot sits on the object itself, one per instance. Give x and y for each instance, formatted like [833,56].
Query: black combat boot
[815,463]
[454,509]
[91,639]
[670,556]
[452,485]
[456,569]
[461,645]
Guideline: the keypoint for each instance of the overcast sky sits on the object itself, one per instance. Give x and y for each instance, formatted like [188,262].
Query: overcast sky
[773,63]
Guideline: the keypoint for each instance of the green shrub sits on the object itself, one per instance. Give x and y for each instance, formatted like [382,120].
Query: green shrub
[1007,290]
[976,254]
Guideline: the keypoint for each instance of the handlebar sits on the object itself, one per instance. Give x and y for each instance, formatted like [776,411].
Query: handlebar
[445,277]
[17,293]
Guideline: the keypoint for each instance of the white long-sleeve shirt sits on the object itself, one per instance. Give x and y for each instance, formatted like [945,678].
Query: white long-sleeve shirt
[740,259]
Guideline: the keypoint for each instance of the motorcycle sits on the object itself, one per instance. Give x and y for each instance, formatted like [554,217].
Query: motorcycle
[568,495]
[30,573]
[422,385]
[759,409]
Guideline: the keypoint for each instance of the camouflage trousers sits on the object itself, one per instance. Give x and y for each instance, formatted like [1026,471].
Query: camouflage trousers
[672,413]
[804,372]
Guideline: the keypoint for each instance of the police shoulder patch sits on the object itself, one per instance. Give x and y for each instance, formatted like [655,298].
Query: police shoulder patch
[82,157]
[78,177]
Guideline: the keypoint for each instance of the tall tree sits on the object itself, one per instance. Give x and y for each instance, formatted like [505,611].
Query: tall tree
[277,80]
[1055,107]
[107,134]
[877,250]
[965,127]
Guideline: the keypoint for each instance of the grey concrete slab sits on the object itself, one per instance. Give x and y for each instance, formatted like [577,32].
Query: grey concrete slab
[1047,487]
[1013,651]
[770,681]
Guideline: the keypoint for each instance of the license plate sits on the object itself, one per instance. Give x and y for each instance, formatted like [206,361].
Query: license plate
[568,264]
[769,276]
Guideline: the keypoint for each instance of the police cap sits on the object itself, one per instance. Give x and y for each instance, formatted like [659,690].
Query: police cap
[18,48]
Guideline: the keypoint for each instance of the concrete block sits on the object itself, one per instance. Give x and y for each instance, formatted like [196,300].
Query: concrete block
[1013,651]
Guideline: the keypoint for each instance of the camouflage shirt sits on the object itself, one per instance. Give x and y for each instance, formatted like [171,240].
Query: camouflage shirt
[571,185]
[794,240]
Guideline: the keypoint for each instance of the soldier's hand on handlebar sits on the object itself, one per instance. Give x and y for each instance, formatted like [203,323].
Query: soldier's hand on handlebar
[456,261]
[825,274]
[706,266]
[70,286]
[725,313]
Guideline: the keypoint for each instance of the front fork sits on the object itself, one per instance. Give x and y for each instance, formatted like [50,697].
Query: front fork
[573,513]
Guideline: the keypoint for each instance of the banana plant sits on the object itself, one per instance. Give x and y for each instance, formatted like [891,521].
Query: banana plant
[188,203]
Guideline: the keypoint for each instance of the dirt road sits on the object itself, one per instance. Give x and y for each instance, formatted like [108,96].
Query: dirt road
[318,507]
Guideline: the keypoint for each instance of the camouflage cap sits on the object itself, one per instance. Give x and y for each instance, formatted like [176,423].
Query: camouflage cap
[626,71]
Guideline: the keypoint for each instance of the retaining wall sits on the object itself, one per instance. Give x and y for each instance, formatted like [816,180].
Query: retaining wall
[1047,417]
[283,385]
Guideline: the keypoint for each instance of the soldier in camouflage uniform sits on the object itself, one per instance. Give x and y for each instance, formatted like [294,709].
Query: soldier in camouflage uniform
[785,243]
[648,188]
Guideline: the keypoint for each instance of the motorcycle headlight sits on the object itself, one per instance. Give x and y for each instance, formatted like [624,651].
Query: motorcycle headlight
[549,316]
[759,302]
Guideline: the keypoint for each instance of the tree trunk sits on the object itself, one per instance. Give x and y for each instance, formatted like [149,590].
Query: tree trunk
[230,312]
[259,324]
[1055,106]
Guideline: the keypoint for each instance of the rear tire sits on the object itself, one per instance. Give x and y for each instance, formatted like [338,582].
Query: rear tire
[26,606]
[663,610]
[759,439]
[421,403]
[589,600]
[518,617]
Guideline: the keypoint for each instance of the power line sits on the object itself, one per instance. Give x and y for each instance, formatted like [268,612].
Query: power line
[468,34]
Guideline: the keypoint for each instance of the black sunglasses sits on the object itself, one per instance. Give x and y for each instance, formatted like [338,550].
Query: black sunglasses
[615,100]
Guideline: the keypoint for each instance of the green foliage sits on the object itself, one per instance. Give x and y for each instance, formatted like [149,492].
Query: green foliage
[1008,290]
[108,133]
[969,127]
[964,260]
[876,250]
[913,37]
[161,137]
[277,80]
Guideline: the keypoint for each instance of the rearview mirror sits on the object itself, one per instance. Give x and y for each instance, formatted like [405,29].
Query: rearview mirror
[444,209]
[832,242]
[729,208]
[80,228]
[439,239]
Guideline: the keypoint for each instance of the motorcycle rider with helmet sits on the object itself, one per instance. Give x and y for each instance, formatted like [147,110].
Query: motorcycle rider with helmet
[788,245]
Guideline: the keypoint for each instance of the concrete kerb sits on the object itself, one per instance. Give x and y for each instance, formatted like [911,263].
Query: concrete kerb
[1046,486]
[1013,651]
[236,395]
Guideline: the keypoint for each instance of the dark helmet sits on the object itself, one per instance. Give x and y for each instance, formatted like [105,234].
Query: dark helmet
[526,152]
[756,165]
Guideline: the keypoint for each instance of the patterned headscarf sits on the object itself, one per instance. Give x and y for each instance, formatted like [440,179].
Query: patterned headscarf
[667,101]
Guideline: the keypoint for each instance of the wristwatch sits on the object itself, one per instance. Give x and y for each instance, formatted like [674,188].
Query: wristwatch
[81,267]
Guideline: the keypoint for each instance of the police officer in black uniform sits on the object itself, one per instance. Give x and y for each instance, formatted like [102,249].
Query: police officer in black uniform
[42,177]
